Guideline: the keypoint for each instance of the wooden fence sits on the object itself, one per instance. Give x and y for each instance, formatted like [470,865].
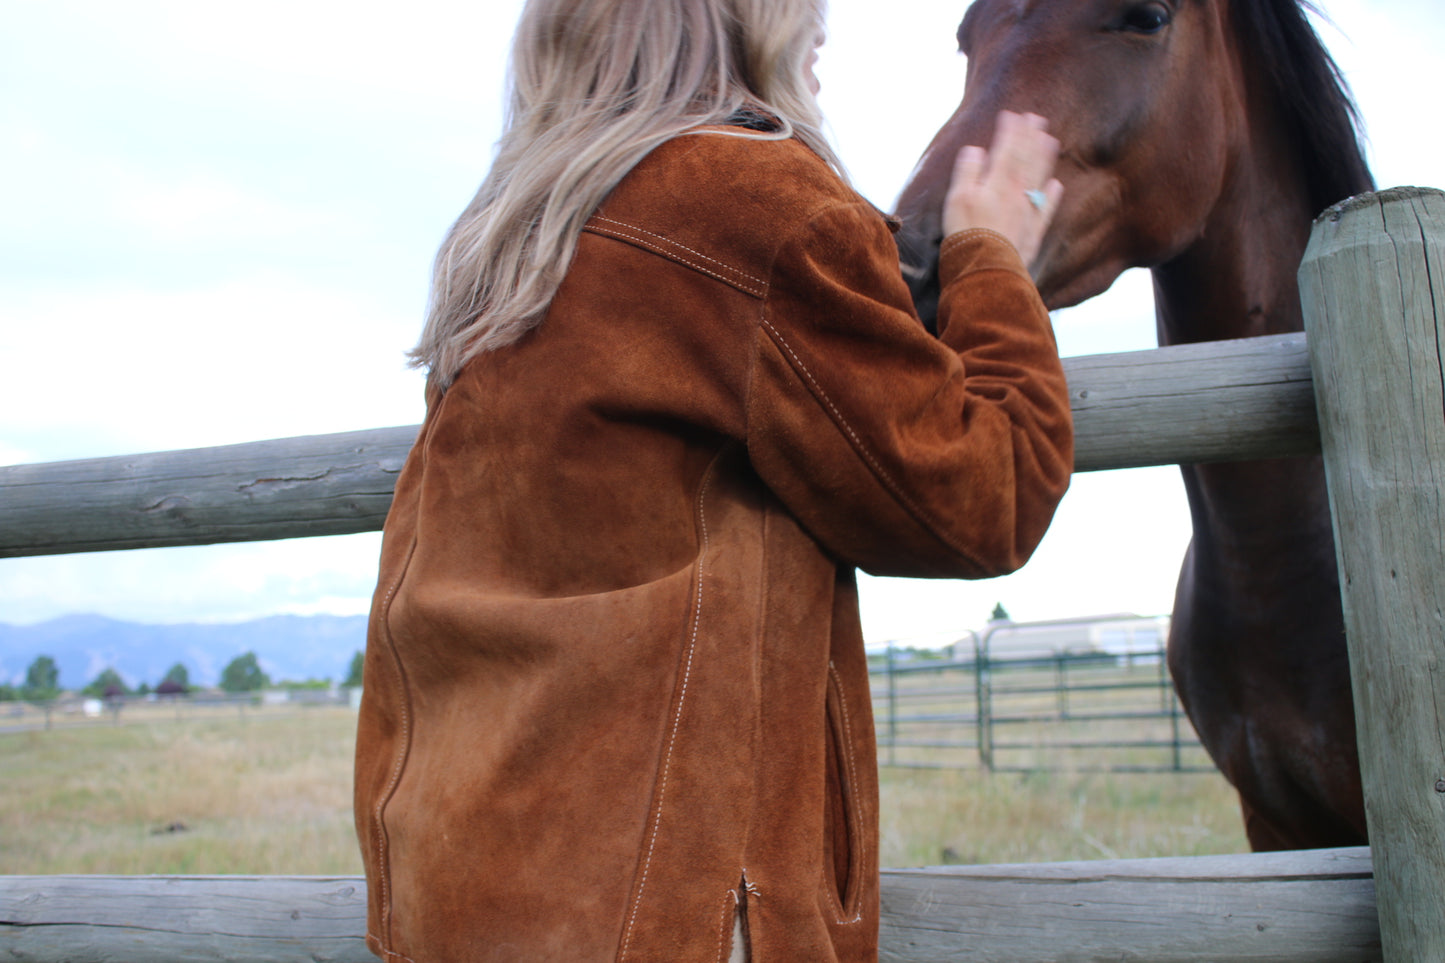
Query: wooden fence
[1188,403]
[1373,284]
[1310,907]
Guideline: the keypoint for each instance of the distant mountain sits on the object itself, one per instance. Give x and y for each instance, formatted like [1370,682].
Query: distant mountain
[289,647]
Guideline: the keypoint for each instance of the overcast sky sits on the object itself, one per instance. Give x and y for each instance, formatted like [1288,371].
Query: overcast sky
[216,222]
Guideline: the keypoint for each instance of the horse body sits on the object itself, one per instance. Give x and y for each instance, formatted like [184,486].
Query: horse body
[1199,138]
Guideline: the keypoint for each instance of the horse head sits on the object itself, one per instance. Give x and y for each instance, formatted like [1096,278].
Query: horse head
[1198,138]
[1154,103]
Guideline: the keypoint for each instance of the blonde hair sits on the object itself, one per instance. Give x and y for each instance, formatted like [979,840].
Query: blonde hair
[595,85]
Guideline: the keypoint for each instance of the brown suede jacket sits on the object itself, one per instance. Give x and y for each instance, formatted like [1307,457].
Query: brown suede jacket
[615,679]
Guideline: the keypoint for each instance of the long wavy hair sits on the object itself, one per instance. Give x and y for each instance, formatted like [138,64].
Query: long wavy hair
[594,86]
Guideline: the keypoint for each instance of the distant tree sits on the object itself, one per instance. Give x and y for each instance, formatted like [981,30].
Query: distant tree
[306,685]
[8,693]
[143,689]
[353,675]
[176,681]
[180,676]
[42,680]
[107,685]
[1000,614]
[244,674]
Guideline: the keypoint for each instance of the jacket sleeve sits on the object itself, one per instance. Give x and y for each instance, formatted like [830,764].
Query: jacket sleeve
[900,453]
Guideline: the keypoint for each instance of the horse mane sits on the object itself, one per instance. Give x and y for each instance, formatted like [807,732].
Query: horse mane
[1314,100]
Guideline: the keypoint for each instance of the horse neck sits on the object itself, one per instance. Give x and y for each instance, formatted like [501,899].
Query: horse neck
[1239,280]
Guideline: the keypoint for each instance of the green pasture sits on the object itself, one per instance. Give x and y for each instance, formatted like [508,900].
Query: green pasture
[269,792]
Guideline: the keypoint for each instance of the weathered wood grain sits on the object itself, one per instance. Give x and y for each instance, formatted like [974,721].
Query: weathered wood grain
[1189,403]
[1313,907]
[1372,283]
[1306,907]
[288,488]
[182,919]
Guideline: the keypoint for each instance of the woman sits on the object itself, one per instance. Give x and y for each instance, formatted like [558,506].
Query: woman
[616,699]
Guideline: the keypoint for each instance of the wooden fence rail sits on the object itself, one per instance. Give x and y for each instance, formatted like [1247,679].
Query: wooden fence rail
[1190,403]
[1309,907]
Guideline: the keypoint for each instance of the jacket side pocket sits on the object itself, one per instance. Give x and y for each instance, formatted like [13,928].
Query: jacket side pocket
[842,828]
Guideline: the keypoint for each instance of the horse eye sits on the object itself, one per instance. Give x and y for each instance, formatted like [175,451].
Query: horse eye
[1146,18]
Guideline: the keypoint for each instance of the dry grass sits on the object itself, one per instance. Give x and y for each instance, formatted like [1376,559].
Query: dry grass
[1103,721]
[270,793]
[260,795]
[951,816]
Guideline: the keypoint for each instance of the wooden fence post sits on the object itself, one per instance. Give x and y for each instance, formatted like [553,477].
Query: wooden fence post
[1373,288]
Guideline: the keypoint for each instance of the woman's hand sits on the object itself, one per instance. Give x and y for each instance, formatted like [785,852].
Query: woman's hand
[1009,189]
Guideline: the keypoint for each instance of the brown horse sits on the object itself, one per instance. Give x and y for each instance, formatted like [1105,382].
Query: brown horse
[1199,138]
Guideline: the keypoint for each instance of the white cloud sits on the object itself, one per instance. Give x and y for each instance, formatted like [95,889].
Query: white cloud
[286,50]
[11,454]
[218,219]
[204,207]
[1115,546]
[1392,53]
[209,583]
[257,357]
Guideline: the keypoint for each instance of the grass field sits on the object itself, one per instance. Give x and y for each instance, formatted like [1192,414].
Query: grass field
[270,793]
[950,816]
[264,794]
